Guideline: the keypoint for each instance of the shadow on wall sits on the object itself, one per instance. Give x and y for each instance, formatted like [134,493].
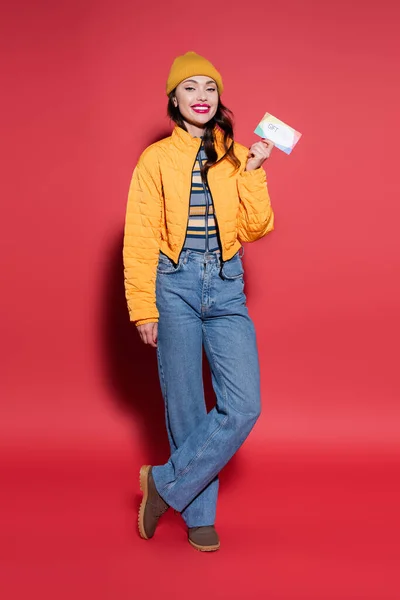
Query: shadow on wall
[131,366]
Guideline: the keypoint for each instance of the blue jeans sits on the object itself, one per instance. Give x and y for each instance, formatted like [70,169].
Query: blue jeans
[201,302]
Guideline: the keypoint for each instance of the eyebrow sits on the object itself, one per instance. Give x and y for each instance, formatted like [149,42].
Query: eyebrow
[194,81]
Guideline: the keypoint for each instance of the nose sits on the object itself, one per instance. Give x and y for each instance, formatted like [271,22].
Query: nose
[202,95]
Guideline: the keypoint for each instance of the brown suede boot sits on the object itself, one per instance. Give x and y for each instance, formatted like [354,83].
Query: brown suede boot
[152,506]
[204,539]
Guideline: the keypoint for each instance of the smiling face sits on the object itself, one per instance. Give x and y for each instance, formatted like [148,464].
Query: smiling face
[197,99]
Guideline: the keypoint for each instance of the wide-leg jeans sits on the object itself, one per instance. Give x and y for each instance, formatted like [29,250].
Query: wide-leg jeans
[201,302]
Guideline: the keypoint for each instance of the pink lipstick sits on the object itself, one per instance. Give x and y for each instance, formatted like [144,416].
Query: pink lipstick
[201,108]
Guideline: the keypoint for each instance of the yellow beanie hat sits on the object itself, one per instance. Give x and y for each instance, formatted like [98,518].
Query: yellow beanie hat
[191,64]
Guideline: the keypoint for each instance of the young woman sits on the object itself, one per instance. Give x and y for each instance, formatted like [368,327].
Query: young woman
[194,197]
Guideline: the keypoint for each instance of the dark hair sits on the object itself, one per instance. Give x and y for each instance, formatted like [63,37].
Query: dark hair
[224,119]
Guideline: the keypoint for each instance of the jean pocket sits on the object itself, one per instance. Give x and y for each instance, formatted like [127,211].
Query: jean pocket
[166,265]
[233,268]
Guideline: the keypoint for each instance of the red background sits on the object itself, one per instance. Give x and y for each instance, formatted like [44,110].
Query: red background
[84,95]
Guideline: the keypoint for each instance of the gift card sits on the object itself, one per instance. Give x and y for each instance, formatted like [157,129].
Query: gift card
[284,137]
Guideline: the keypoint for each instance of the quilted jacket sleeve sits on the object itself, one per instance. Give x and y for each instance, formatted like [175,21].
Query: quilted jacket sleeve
[255,216]
[141,240]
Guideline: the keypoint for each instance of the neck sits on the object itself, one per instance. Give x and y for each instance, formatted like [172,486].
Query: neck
[194,130]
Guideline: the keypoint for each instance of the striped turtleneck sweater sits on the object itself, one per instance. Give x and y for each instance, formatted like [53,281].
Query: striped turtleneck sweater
[201,233]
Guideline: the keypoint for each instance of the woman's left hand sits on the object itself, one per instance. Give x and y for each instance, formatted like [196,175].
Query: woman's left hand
[258,153]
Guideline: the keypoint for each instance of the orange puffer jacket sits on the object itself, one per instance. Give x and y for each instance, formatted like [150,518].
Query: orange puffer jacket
[158,209]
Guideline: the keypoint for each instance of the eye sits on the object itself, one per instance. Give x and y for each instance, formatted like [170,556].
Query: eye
[189,88]
[211,90]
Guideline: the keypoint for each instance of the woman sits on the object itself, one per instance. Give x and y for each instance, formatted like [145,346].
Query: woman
[194,197]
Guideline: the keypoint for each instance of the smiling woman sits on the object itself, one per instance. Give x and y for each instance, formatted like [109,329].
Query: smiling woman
[194,197]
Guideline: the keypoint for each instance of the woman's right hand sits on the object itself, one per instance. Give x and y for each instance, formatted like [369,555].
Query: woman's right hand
[148,333]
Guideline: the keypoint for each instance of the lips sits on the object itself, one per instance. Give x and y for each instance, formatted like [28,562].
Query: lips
[201,108]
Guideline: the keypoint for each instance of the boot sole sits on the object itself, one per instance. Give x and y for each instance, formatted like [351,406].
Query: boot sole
[205,548]
[144,486]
